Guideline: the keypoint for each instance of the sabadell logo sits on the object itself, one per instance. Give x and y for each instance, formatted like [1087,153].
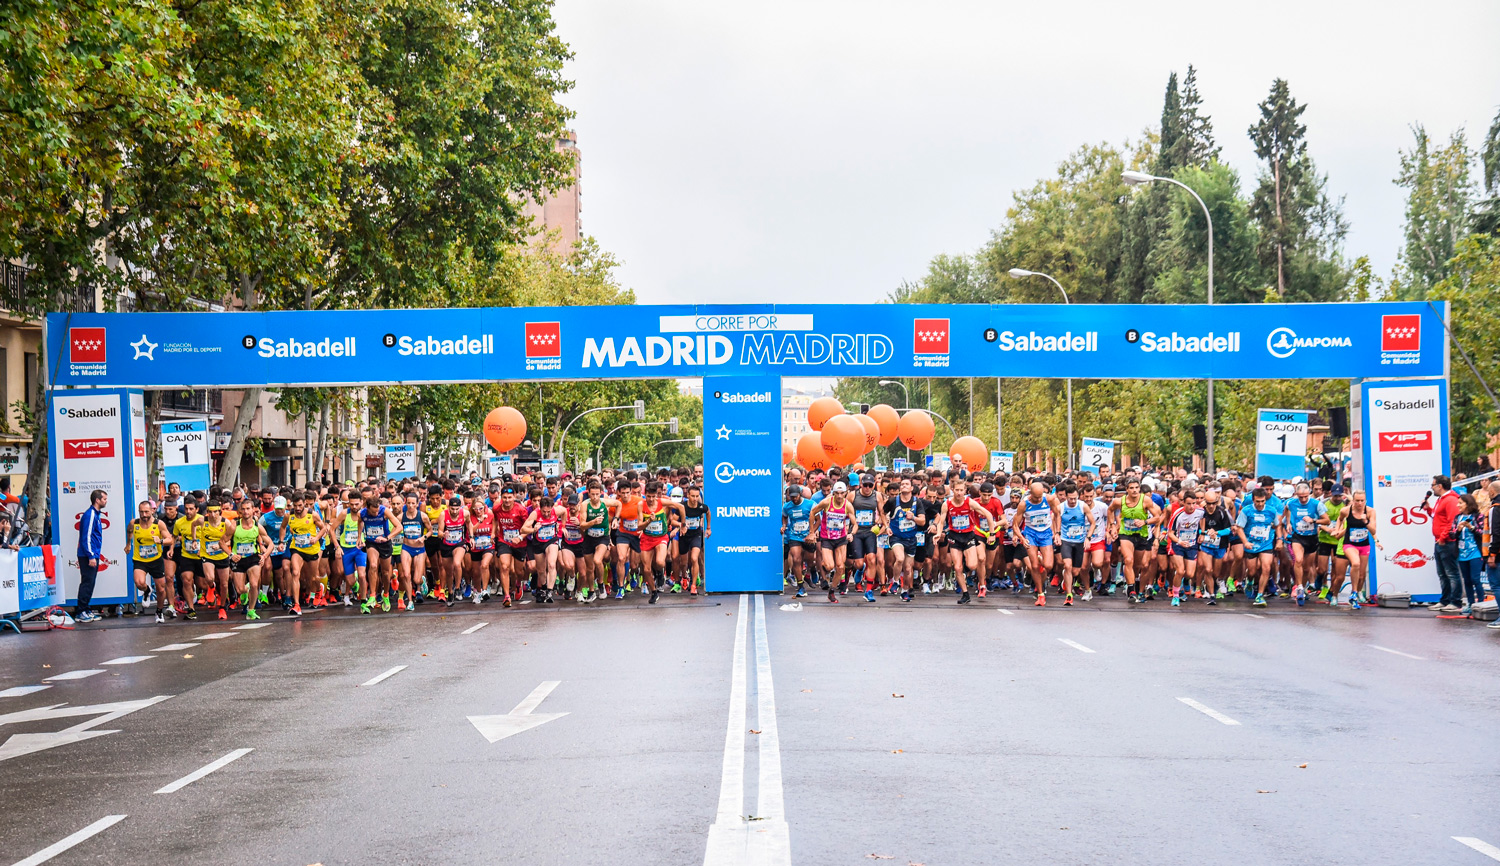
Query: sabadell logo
[108,412]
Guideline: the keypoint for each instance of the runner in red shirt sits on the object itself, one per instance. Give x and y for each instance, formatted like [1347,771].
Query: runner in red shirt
[510,549]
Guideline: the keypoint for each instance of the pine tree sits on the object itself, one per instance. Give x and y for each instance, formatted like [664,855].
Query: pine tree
[1280,140]
[1197,130]
[1171,128]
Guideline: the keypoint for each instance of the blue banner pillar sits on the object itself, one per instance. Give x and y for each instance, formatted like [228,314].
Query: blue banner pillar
[742,482]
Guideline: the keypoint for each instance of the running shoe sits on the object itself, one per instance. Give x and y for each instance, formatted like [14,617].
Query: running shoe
[693,588]
[364,607]
[906,595]
[1088,595]
[1041,600]
[926,588]
[620,593]
[348,602]
[870,595]
[1354,601]
[654,596]
[981,590]
[506,603]
[1068,600]
[1135,599]
[1230,586]
[833,597]
[963,599]
[296,610]
[251,614]
[401,602]
[1260,600]
[1176,602]
[223,614]
[1301,599]
[801,591]
[159,618]
[190,614]
[1210,600]
[478,598]
[385,603]
[1323,594]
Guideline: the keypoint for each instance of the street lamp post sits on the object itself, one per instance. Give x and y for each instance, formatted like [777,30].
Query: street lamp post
[1019,273]
[905,397]
[640,413]
[670,424]
[1135,178]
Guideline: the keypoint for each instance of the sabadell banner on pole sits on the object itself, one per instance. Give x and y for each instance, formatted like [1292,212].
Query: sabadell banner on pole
[355,347]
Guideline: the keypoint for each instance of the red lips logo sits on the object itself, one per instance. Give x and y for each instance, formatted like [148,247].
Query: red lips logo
[1410,558]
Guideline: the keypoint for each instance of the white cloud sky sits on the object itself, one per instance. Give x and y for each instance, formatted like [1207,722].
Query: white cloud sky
[820,151]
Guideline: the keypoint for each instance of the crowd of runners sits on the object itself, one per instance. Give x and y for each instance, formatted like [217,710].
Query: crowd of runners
[384,546]
[1175,537]
[389,545]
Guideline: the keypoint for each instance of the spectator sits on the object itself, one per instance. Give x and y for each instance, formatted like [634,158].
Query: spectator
[12,532]
[1445,544]
[1470,544]
[8,501]
[1492,562]
[90,554]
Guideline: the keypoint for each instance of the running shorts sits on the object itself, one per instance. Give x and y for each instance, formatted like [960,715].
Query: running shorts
[592,543]
[961,540]
[307,557]
[413,552]
[1073,551]
[832,543]
[433,545]
[627,538]
[690,542]
[1037,539]
[1099,545]
[188,564]
[652,542]
[863,545]
[156,568]
[354,559]
[1308,543]
[1328,549]
[245,564]
[1187,553]
[381,547]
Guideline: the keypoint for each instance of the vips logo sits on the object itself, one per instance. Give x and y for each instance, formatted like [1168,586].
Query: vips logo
[1282,342]
[742,511]
[1410,557]
[543,342]
[83,449]
[930,342]
[86,352]
[725,473]
[1410,440]
[140,447]
[1400,339]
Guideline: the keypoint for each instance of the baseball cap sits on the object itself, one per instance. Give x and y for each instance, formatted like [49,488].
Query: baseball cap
[1338,490]
[838,487]
[456,501]
[280,502]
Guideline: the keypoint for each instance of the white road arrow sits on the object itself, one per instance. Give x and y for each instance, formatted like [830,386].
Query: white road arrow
[497,728]
[24,744]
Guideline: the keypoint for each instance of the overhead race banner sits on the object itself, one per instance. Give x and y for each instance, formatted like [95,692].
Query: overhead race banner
[184,454]
[1096,454]
[1281,443]
[742,483]
[349,347]
[1404,442]
[401,462]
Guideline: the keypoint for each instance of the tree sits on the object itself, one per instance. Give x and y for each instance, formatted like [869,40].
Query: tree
[1439,197]
[1471,287]
[1487,212]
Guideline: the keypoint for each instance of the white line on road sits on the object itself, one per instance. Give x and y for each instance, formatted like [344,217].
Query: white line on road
[218,635]
[1075,645]
[771,844]
[1397,653]
[726,837]
[388,674]
[73,675]
[174,647]
[1213,714]
[17,691]
[1006,612]
[199,773]
[251,626]
[57,848]
[1479,845]
[1256,615]
[127,660]
[473,628]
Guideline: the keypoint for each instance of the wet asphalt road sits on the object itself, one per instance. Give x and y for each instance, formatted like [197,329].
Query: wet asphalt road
[1006,743]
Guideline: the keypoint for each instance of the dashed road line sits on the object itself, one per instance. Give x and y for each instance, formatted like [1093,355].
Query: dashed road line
[1479,845]
[62,845]
[1005,611]
[199,773]
[251,626]
[218,635]
[127,660]
[376,680]
[1256,615]
[73,675]
[1397,653]
[1075,645]
[473,628]
[17,691]
[174,647]
[1211,713]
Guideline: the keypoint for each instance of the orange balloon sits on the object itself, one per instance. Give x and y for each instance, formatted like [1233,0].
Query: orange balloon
[915,430]
[886,419]
[971,451]
[786,453]
[810,454]
[872,432]
[821,410]
[504,428]
[843,439]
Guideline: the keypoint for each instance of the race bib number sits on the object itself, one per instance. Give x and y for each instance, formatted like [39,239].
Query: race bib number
[883,542]
[573,533]
[1038,522]
[483,542]
[1187,537]
[960,523]
[413,531]
[799,526]
[512,537]
[693,523]
[655,527]
[454,535]
[148,551]
[1358,536]
[373,532]
[303,540]
[1305,526]
[1260,533]
[921,536]
[192,545]
[1209,539]
[632,525]
[1134,524]
[905,525]
[835,522]
[596,531]
[1073,533]
[245,548]
[864,517]
[546,532]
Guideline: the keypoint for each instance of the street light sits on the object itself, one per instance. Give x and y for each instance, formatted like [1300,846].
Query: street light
[670,424]
[1019,273]
[905,397]
[640,414]
[1135,178]
[696,440]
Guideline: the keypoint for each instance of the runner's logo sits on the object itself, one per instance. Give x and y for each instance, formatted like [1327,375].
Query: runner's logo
[1401,333]
[543,340]
[930,336]
[86,345]
[80,449]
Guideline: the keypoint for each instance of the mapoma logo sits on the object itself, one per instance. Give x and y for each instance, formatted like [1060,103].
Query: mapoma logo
[725,473]
[1282,342]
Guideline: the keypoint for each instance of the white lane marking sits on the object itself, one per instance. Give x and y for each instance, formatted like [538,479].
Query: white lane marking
[726,837]
[251,626]
[57,848]
[1075,645]
[174,647]
[1397,653]
[1479,845]
[73,675]
[497,728]
[1006,612]
[199,773]
[127,660]
[1256,615]
[473,628]
[376,680]
[218,635]
[771,843]
[17,691]
[1211,713]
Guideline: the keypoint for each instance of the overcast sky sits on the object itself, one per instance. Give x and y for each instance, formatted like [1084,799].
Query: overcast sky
[818,151]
